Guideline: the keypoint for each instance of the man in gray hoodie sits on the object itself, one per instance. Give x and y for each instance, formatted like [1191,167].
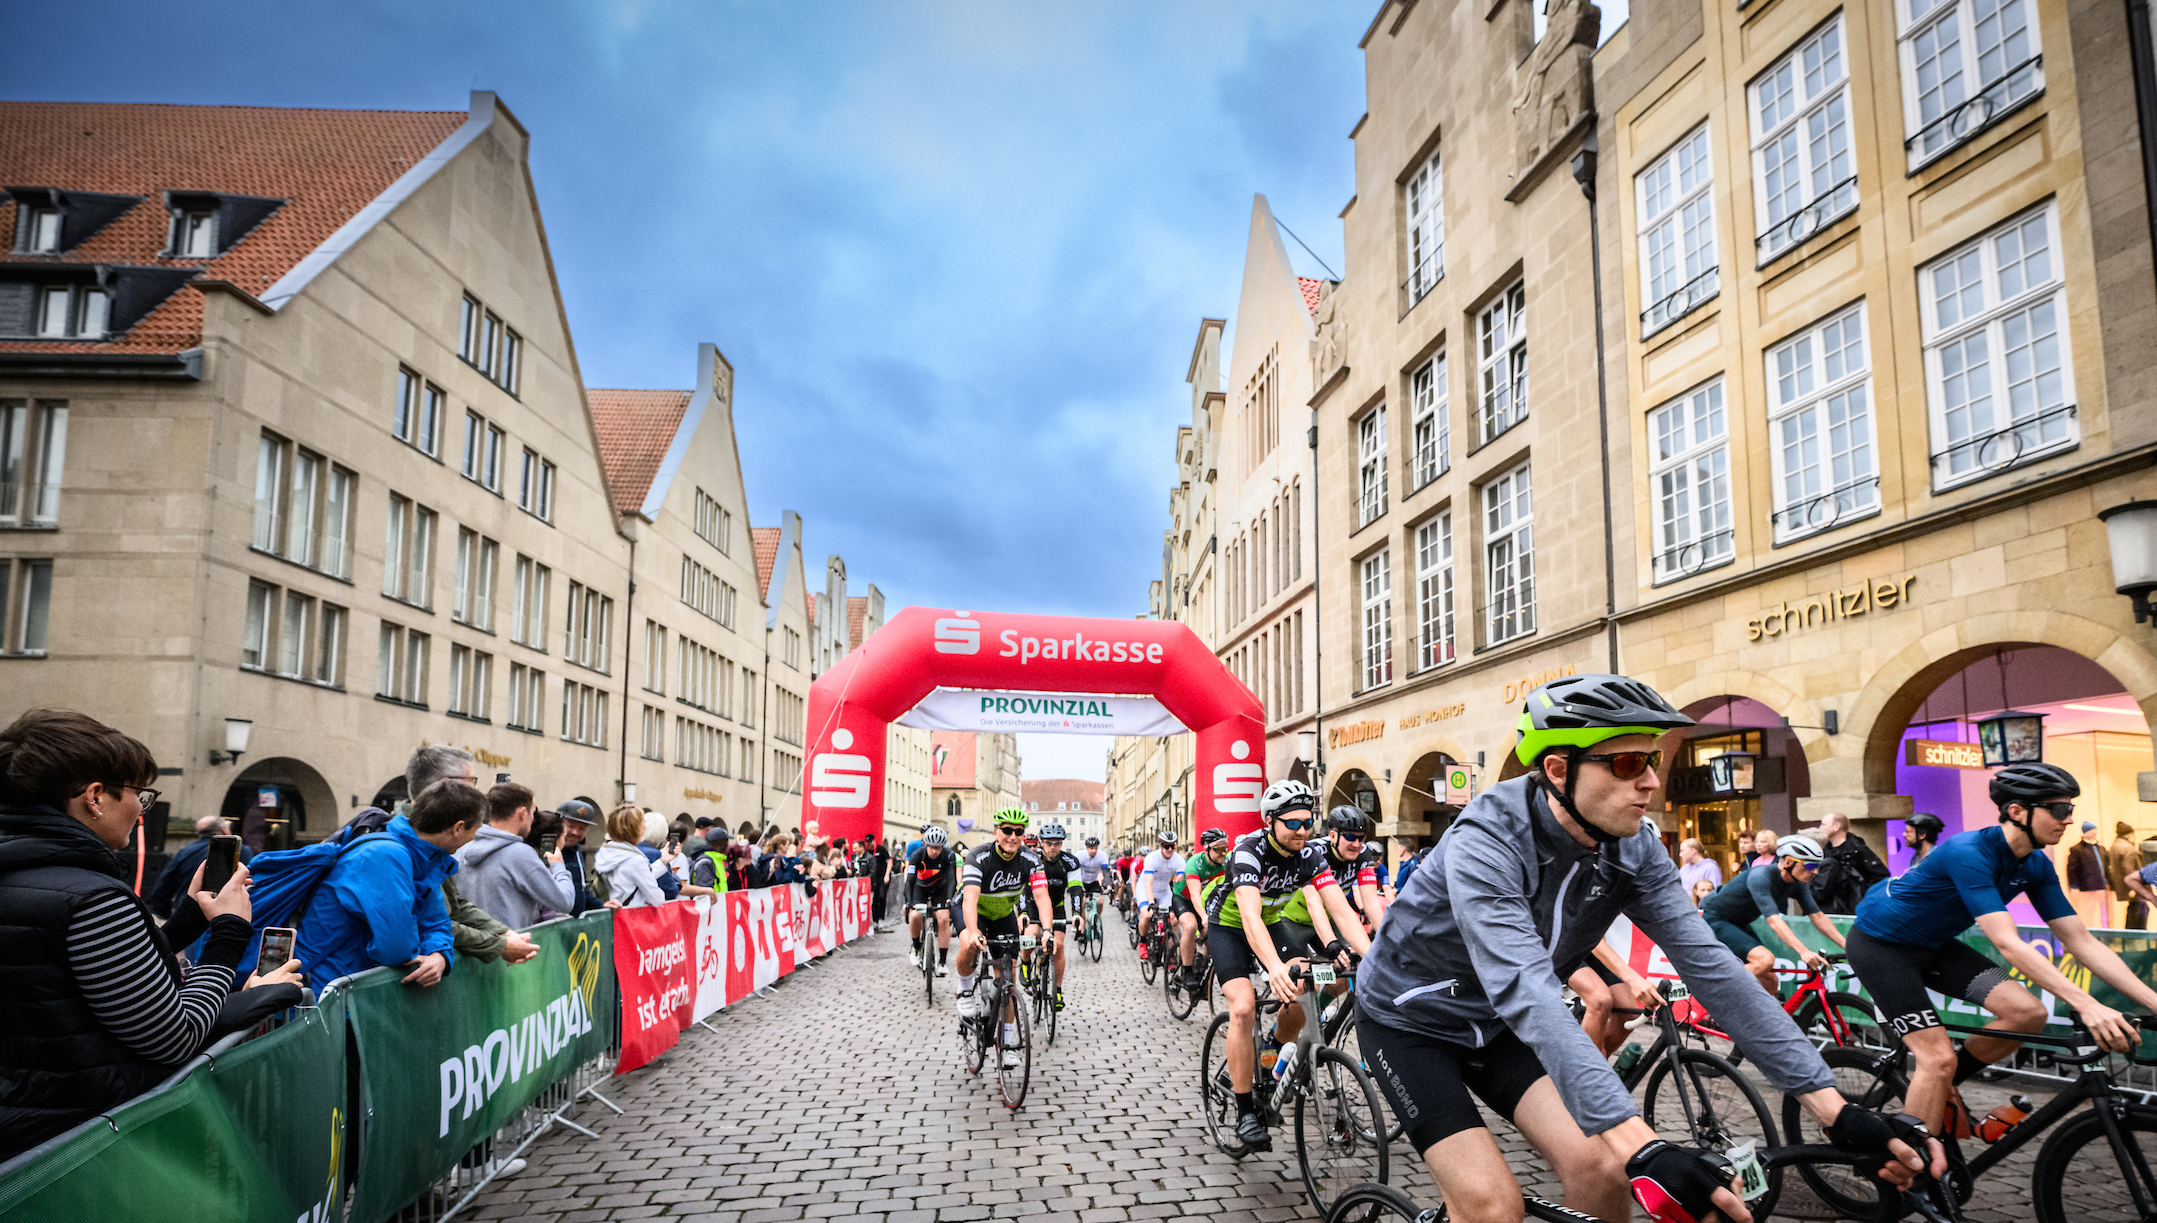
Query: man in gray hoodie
[1459,995]
[505,876]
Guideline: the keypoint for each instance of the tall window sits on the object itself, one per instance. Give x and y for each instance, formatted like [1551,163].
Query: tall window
[1377,620]
[791,650]
[584,714]
[535,487]
[528,619]
[291,634]
[1430,429]
[303,506]
[1426,229]
[527,693]
[1965,65]
[1997,379]
[1820,426]
[714,522]
[1262,410]
[408,553]
[655,657]
[1501,332]
[1371,465]
[417,419]
[477,557]
[72,312]
[1434,592]
[1690,478]
[588,628]
[1295,529]
[652,736]
[1509,555]
[1803,175]
[33,450]
[471,682]
[401,666]
[1677,233]
[25,605]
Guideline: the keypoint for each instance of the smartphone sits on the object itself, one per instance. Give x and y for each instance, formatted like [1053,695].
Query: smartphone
[501,779]
[673,843]
[276,949]
[223,860]
[548,842]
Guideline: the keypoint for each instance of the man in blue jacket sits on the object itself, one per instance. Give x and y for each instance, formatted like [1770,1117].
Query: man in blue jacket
[381,904]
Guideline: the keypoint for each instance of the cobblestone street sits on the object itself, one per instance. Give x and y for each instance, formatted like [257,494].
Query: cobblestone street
[842,1096]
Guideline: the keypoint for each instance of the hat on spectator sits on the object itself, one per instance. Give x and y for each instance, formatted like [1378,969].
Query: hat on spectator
[704,821]
[579,810]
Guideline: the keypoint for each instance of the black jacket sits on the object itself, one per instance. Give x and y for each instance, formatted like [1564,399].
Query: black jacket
[1850,870]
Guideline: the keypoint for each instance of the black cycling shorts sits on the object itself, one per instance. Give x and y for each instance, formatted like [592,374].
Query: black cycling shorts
[1897,976]
[1429,1081]
[1233,958]
[935,895]
[1002,929]
[1182,905]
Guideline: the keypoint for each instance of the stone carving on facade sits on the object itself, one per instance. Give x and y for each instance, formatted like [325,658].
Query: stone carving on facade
[1556,85]
[1330,348]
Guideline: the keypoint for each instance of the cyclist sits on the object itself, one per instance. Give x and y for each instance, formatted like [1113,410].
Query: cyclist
[1095,865]
[1156,875]
[1459,997]
[1921,835]
[993,884]
[932,877]
[1354,864]
[1248,930]
[1906,939]
[1190,888]
[1057,865]
[1761,892]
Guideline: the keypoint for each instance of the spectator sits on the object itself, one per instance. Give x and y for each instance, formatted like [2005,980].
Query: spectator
[737,866]
[382,904]
[578,818]
[507,877]
[93,1008]
[477,933]
[1745,850]
[1695,867]
[1851,867]
[1407,865]
[1763,846]
[780,865]
[707,861]
[656,834]
[621,862]
[2122,861]
[166,891]
[2087,887]
[1702,889]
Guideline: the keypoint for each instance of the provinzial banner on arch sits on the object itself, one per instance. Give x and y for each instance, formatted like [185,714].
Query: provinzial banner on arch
[1069,713]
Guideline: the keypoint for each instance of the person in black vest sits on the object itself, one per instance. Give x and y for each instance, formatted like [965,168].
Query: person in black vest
[1851,867]
[165,893]
[93,1009]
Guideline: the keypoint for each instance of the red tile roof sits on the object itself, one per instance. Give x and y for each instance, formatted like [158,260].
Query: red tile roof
[327,163]
[635,428]
[1313,290]
[857,615]
[767,555]
[1049,791]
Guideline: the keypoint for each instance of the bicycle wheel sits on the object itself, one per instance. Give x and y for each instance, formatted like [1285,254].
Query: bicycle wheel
[1375,1203]
[1048,1002]
[1151,961]
[1863,1080]
[1726,1107]
[1130,929]
[1858,1015]
[1182,999]
[2080,1177]
[1338,1129]
[1216,1091]
[1011,1080]
[1094,939]
[928,962]
[1341,1035]
[971,1044]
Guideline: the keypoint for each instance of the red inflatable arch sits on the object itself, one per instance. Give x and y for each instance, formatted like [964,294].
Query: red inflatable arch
[922,648]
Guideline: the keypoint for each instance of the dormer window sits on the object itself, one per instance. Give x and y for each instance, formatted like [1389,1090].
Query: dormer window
[206,224]
[41,230]
[66,312]
[51,221]
[194,234]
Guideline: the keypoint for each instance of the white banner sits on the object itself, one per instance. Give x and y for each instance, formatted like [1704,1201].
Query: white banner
[709,955]
[1069,713]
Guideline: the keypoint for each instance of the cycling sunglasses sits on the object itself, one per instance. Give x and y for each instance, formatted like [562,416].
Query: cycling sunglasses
[2061,810]
[1011,830]
[1297,825]
[1625,766]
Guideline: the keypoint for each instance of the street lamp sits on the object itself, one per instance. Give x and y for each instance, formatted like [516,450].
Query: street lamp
[2012,737]
[2131,529]
[1731,773]
[236,732]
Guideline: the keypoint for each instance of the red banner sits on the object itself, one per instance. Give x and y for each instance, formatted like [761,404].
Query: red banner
[657,975]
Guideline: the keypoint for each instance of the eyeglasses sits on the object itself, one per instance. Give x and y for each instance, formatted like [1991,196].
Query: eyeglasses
[148,797]
[1625,766]
[1010,830]
[2062,810]
[1296,825]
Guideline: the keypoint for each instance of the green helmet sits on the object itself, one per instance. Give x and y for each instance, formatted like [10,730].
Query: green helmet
[1013,815]
[1584,710]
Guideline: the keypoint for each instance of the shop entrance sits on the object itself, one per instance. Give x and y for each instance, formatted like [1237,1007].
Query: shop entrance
[1739,769]
[270,802]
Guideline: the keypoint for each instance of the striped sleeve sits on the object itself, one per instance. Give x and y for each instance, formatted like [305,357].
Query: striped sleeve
[115,961]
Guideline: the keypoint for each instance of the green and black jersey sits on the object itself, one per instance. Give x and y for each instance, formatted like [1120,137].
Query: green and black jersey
[1259,861]
[1004,882]
[1202,867]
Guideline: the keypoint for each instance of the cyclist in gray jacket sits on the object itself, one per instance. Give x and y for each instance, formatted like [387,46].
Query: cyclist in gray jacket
[1460,992]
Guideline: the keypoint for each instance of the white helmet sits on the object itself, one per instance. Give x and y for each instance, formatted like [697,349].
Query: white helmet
[933,835]
[1800,847]
[1052,832]
[1284,796]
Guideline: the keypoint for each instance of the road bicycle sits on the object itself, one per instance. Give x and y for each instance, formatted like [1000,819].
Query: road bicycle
[1091,937]
[1160,943]
[1041,988]
[1182,996]
[1826,1016]
[1337,1115]
[1339,1021]
[926,953]
[2094,1159]
[1691,1091]
[984,1038]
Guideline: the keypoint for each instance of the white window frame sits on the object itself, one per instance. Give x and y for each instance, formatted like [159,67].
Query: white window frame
[1502,362]
[41,230]
[1675,201]
[1431,430]
[1509,555]
[1805,397]
[1376,573]
[1435,641]
[1814,78]
[1423,200]
[1371,473]
[1990,324]
[1942,111]
[1689,451]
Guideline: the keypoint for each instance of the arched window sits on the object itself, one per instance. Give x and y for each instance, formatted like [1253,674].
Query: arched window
[952,808]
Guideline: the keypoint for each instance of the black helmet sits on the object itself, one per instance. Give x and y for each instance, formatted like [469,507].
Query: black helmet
[1926,825]
[2031,784]
[1211,837]
[1349,819]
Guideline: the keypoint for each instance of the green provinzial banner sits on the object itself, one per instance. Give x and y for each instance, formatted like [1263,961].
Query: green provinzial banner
[444,1067]
[255,1133]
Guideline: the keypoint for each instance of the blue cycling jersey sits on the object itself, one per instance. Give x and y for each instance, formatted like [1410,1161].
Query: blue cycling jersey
[1757,892]
[1966,877]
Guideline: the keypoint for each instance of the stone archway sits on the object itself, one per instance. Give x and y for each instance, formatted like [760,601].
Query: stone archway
[1423,811]
[1355,788]
[301,805]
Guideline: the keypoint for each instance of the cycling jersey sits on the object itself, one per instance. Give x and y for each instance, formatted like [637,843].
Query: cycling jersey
[1756,892]
[928,878]
[1508,903]
[1348,873]
[1259,861]
[1962,879]
[1004,882]
[1164,871]
[1092,864]
[1057,868]
[1202,867]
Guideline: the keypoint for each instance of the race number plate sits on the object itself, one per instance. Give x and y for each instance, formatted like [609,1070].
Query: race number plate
[1322,974]
[1026,942]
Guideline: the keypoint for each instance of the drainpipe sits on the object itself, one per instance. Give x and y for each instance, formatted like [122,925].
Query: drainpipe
[2142,53]
[1584,174]
[629,619]
[1318,634]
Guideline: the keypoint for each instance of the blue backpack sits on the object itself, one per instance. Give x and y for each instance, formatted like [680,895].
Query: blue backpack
[284,881]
